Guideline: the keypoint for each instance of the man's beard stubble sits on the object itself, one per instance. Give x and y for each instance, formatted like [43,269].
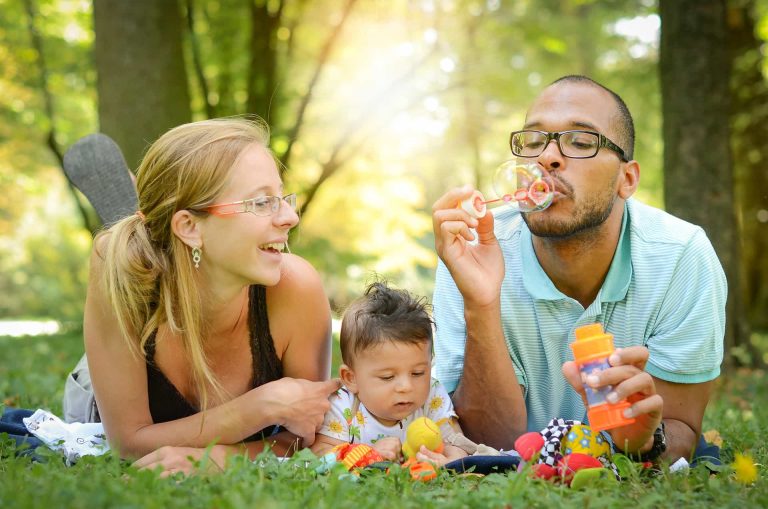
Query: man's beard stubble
[588,216]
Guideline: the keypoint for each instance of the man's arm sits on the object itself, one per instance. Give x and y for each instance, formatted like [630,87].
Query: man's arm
[489,399]
[684,406]
[687,343]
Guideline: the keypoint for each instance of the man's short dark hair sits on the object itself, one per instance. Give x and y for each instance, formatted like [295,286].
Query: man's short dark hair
[384,314]
[625,126]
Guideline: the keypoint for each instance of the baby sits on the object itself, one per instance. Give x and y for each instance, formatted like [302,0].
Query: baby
[386,349]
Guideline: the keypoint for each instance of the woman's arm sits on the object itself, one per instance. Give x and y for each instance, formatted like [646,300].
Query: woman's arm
[120,385]
[181,459]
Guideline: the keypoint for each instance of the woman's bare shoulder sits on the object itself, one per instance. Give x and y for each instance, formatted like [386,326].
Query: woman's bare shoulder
[299,293]
[300,320]
[297,275]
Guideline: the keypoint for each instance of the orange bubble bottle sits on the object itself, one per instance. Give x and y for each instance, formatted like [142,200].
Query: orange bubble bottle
[591,350]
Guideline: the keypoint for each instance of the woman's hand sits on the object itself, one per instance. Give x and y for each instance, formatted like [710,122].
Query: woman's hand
[629,379]
[389,448]
[182,459]
[477,269]
[300,405]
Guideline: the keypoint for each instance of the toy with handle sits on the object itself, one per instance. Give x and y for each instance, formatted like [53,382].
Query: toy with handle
[422,431]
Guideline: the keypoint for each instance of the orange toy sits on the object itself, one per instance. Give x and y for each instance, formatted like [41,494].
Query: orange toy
[591,351]
[355,456]
[420,470]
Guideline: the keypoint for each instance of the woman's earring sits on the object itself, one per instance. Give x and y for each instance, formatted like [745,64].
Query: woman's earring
[196,252]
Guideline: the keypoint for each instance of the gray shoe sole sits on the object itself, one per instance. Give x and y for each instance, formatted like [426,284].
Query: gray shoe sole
[96,166]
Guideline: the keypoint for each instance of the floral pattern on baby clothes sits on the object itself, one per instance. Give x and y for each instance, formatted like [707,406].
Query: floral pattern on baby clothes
[364,428]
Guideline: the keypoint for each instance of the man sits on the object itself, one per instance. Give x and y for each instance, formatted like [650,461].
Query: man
[506,305]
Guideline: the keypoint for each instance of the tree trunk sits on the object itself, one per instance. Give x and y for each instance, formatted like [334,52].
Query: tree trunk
[749,122]
[142,83]
[262,73]
[698,179]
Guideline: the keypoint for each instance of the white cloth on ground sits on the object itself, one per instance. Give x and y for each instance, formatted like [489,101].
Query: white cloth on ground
[74,439]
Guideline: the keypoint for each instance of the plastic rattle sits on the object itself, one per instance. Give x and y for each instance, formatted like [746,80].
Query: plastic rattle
[422,431]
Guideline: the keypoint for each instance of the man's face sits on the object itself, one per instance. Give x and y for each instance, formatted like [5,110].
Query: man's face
[586,188]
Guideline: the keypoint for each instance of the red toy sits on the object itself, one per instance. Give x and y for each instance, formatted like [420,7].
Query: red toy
[565,448]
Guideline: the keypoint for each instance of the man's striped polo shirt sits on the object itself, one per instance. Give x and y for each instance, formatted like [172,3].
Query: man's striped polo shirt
[665,289]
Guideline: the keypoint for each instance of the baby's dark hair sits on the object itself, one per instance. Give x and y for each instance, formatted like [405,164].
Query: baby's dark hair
[384,314]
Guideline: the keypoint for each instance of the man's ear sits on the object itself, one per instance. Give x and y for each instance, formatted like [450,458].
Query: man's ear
[348,378]
[185,226]
[629,179]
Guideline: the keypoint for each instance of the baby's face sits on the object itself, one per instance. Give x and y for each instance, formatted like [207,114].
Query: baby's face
[393,379]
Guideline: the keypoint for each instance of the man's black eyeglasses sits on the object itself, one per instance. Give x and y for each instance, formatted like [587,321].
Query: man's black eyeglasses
[573,144]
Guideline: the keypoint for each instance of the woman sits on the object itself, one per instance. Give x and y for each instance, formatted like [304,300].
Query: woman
[198,327]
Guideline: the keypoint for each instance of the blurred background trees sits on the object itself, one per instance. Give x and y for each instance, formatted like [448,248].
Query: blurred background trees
[376,109]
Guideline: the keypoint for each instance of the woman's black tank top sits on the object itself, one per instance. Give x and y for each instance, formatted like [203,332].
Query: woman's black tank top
[166,403]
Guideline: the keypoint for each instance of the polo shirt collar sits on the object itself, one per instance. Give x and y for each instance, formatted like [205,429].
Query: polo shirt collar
[539,286]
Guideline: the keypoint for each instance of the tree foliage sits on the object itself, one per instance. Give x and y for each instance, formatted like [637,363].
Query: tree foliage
[43,246]
[376,107]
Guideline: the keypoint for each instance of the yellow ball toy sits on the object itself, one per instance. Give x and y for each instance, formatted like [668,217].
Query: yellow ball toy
[582,439]
[423,431]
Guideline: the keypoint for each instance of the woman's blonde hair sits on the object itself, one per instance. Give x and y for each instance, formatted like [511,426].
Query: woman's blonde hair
[149,274]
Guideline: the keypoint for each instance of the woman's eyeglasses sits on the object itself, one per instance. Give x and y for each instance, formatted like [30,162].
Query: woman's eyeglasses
[261,206]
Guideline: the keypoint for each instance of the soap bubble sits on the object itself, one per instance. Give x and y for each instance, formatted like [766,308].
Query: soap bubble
[524,184]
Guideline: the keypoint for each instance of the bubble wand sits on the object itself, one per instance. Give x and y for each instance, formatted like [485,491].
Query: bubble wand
[522,184]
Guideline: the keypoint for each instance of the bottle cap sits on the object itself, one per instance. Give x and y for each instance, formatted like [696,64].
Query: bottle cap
[591,343]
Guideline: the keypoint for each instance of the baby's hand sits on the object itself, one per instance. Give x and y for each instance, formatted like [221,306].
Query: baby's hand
[453,453]
[437,458]
[389,448]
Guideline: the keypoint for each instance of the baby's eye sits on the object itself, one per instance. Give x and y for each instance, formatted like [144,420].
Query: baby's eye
[387,378]
[418,373]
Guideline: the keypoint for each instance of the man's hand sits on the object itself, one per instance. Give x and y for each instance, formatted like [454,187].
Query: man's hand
[631,382]
[477,269]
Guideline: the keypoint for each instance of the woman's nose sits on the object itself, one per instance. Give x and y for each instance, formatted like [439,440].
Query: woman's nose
[285,217]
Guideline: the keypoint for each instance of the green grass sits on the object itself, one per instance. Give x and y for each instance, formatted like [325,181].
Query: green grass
[32,372]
